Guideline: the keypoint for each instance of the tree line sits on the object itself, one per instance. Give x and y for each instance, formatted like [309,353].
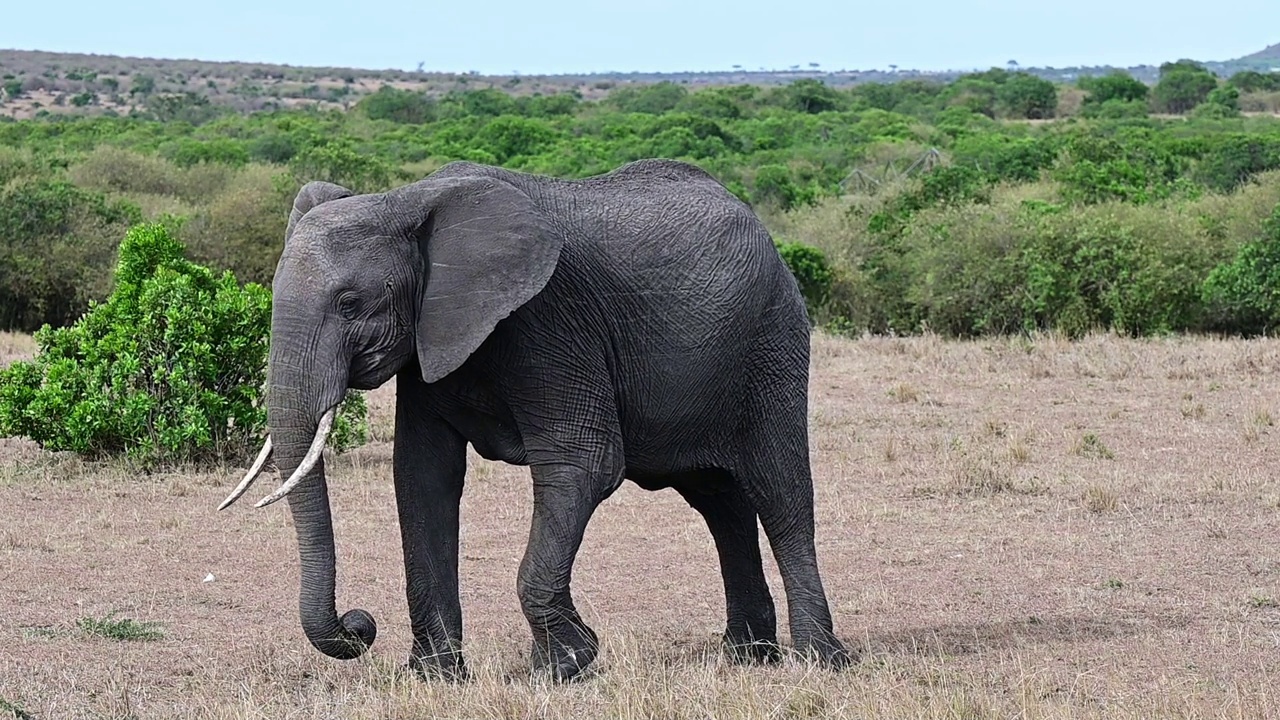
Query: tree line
[1107,204]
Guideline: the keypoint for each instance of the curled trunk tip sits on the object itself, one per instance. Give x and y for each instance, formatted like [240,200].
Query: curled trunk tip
[356,632]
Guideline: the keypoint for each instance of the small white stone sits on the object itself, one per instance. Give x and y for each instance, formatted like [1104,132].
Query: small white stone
[208,578]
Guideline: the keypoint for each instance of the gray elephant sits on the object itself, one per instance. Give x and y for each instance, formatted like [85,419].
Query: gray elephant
[634,325]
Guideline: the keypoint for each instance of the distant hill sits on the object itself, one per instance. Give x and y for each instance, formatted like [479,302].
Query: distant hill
[89,83]
[1269,56]
[1266,60]
[1271,53]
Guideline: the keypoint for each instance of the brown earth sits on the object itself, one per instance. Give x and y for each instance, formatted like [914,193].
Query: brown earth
[1012,528]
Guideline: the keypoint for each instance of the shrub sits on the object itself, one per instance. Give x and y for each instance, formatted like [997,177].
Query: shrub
[806,95]
[343,163]
[811,271]
[274,147]
[113,169]
[170,368]
[1115,109]
[1117,85]
[774,185]
[188,152]
[1226,96]
[1004,158]
[1130,166]
[56,248]
[1233,160]
[964,278]
[1183,85]
[1027,96]
[1020,263]
[241,229]
[654,99]
[398,106]
[1133,270]
[18,163]
[509,137]
[1243,294]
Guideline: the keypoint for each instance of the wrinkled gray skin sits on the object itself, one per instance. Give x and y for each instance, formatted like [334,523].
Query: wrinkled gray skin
[636,325]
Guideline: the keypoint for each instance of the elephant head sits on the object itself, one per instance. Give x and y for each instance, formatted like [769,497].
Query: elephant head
[364,283]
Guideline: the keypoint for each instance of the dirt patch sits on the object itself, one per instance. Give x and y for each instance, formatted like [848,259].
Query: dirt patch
[1006,529]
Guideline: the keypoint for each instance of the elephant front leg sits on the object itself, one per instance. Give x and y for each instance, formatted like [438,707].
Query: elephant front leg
[430,463]
[564,499]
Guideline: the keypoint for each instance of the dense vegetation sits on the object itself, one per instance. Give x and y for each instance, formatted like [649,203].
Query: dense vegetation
[171,368]
[996,203]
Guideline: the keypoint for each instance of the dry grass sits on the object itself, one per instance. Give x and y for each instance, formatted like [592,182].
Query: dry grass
[15,346]
[985,556]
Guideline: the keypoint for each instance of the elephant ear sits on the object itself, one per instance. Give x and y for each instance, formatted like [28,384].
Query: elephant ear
[316,192]
[486,250]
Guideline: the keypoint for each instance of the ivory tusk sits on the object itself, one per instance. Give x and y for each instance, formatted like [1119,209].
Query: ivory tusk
[252,475]
[308,462]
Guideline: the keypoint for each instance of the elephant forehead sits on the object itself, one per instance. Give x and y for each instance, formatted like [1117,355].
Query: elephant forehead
[361,215]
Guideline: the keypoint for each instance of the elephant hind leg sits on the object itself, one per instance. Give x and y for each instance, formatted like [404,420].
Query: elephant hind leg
[776,479]
[751,631]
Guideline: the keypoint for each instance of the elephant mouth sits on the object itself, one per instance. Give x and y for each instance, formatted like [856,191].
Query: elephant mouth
[308,462]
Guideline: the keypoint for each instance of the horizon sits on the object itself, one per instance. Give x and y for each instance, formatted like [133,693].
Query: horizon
[571,38]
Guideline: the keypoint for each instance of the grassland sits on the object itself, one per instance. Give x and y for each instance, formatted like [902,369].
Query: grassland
[1028,528]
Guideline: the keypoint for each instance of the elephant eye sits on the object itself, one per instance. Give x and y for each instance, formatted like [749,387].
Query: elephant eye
[349,306]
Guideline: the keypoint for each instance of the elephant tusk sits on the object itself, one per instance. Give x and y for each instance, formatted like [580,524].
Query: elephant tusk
[252,475]
[308,462]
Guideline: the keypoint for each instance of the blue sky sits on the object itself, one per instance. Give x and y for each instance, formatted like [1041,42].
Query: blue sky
[554,36]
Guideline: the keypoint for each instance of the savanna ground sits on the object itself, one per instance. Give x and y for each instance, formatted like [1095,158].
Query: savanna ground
[1008,528]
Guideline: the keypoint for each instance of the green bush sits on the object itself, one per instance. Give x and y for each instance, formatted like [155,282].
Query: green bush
[1234,159]
[774,185]
[398,106]
[1115,109]
[342,162]
[654,99]
[1002,157]
[1183,85]
[241,228]
[1112,267]
[1027,96]
[1243,295]
[811,271]
[1129,166]
[56,248]
[963,278]
[1116,86]
[171,368]
[966,269]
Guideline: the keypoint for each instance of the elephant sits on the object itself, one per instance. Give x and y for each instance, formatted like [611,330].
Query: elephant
[637,324]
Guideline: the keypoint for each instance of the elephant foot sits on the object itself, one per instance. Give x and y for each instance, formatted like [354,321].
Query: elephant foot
[565,653]
[448,666]
[826,648]
[744,650]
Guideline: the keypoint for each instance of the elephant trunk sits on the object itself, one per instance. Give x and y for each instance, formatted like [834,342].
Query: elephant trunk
[295,406]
